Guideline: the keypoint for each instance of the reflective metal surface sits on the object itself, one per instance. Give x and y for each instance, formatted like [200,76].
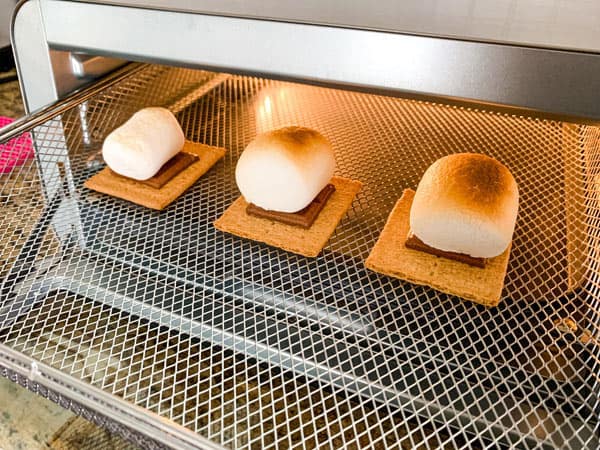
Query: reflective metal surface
[32,57]
[545,23]
[253,347]
[557,82]
[88,67]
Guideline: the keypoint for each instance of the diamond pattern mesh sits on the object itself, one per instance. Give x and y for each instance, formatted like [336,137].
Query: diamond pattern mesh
[254,347]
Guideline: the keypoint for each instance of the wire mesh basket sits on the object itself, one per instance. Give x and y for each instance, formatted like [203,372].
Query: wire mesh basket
[198,338]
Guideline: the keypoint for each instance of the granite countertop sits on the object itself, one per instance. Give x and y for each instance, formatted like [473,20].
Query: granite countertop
[10,97]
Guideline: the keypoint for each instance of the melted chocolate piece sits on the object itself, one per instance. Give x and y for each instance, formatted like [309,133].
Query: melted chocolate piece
[168,171]
[303,218]
[414,243]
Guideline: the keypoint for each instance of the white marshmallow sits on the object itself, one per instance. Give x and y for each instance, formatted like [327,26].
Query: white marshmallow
[466,203]
[143,144]
[284,170]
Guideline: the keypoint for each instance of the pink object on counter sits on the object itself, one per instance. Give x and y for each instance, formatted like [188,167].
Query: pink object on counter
[16,151]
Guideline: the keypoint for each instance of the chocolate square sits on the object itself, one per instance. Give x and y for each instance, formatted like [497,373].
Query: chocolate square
[303,218]
[168,171]
[414,243]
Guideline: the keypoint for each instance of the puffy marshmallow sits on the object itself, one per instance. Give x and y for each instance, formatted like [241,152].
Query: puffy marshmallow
[143,144]
[284,170]
[466,203]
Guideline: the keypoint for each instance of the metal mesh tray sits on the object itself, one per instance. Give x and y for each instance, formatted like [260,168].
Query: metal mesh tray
[251,346]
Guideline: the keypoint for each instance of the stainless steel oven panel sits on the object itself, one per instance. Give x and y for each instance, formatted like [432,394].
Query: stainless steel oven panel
[536,23]
[552,81]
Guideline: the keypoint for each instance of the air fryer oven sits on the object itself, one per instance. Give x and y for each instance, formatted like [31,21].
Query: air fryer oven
[158,326]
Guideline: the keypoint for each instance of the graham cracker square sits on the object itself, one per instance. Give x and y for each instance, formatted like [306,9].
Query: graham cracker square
[134,191]
[307,242]
[391,257]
